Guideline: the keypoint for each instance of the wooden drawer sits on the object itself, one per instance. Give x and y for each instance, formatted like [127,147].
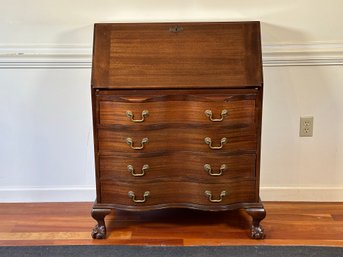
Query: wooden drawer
[227,109]
[168,167]
[176,139]
[179,193]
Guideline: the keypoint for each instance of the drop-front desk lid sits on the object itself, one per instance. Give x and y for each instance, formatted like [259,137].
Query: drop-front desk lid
[177,55]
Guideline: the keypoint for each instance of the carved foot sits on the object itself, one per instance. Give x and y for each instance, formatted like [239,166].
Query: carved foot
[99,231]
[257,232]
[257,214]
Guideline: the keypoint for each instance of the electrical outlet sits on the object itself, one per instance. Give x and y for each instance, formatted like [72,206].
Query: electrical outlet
[306,127]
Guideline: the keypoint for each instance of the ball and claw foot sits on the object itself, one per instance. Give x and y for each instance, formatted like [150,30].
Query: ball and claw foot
[99,232]
[257,232]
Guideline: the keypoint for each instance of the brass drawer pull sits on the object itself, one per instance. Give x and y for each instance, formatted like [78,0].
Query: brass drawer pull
[145,114]
[133,197]
[209,195]
[129,141]
[132,170]
[208,168]
[223,141]
[209,114]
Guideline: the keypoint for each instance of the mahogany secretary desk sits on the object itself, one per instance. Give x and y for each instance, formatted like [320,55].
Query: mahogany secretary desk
[177,118]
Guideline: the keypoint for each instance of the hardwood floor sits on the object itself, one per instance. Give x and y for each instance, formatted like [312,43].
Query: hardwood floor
[71,223]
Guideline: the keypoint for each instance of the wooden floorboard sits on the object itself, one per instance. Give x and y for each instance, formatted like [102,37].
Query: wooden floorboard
[70,224]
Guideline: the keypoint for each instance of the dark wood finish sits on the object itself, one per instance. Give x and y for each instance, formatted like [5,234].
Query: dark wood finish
[167,167]
[177,194]
[165,108]
[176,138]
[287,223]
[257,214]
[202,55]
[168,102]
[99,231]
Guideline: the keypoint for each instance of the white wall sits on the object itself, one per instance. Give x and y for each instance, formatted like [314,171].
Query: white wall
[298,168]
[46,140]
[45,111]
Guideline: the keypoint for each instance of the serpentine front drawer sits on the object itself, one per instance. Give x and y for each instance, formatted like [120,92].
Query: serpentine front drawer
[208,196]
[227,108]
[201,167]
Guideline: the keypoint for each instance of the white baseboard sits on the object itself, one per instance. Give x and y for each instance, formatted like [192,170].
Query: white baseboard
[87,194]
[80,56]
[302,194]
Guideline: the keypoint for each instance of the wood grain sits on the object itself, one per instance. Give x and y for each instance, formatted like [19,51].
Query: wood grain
[201,55]
[183,108]
[166,167]
[217,71]
[176,194]
[176,138]
[68,224]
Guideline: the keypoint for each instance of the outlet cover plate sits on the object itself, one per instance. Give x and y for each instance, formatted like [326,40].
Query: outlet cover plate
[306,127]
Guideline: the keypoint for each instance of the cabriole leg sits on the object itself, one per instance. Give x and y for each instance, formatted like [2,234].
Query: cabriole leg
[257,214]
[99,231]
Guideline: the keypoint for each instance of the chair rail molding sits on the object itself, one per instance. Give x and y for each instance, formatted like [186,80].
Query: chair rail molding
[307,54]
[45,56]
[80,56]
